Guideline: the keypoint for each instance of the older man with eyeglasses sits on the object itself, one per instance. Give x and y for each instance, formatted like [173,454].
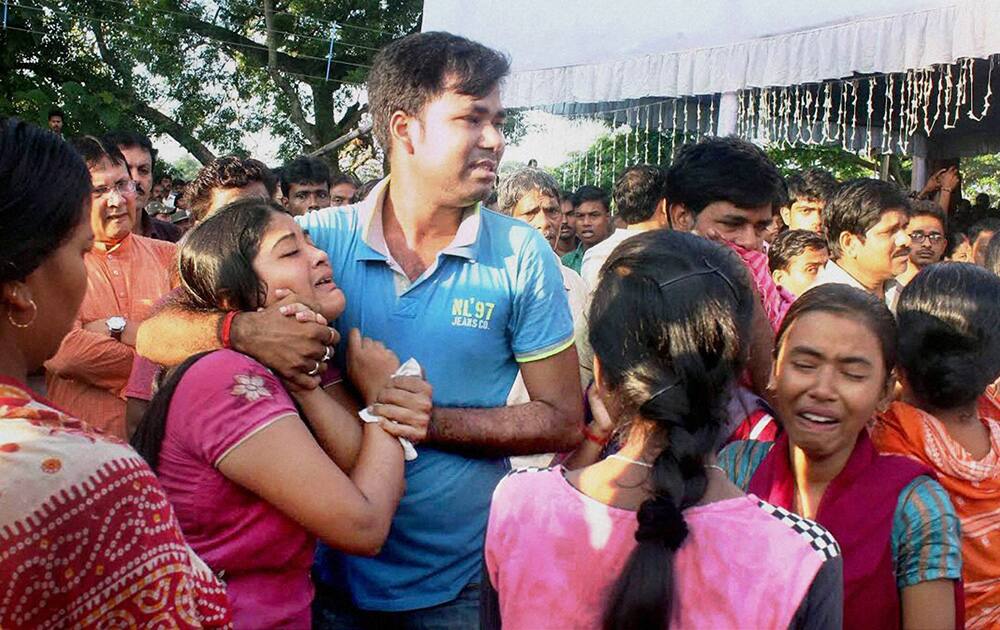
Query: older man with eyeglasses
[928,230]
[126,275]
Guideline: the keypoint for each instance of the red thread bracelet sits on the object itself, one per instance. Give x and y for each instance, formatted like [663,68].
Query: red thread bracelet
[227,329]
[594,438]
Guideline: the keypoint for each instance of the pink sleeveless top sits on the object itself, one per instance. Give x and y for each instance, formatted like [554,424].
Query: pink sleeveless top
[553,554]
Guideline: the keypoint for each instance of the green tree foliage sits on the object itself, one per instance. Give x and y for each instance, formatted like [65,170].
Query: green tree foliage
[208,74]
[611,153]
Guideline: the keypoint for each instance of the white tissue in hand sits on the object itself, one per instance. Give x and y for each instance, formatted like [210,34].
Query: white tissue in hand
[410,368]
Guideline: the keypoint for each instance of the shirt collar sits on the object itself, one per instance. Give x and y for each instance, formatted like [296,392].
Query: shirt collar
[465,244]
[121,247]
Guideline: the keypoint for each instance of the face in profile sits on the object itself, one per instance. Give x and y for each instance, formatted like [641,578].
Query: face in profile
[962,251]
[885,248]
[829,379]
[287,259]
[801,271]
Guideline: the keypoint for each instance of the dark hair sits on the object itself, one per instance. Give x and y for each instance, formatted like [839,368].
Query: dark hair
[637,191]
[668,323]
[587,193]
[954,240]
[992,256]
[409,72]
[791,244]
[345,178]
[365,189]
[304,170]
[44,186]
[925,208]
[949,333]
[229,171]
[129,139]
[215,268]
[846,301]
[515,185]
[989,224]
[723,169]
[55,111]
[984,198]
[857,206]
[93,150]
[811,183]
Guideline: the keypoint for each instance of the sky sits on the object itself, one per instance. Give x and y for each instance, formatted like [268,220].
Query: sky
[550,140]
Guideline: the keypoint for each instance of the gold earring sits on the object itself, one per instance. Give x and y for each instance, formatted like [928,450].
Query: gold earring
[34,314]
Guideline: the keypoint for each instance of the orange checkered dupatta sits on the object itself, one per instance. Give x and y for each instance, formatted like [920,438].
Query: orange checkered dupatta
[974,487]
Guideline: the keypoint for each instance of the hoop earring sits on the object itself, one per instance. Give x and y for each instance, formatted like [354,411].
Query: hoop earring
[34,315]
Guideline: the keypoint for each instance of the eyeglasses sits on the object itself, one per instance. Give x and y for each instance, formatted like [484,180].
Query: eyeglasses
[123,187]
[933,237]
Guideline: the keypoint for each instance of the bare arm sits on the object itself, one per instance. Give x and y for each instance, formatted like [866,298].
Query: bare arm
[291,344]
[929,605]
[589,452]
[550,422]
[284,465]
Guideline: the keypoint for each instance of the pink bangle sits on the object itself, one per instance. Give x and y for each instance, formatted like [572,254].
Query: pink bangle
[227,329]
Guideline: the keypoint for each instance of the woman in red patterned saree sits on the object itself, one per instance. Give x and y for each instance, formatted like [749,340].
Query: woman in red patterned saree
[87,536]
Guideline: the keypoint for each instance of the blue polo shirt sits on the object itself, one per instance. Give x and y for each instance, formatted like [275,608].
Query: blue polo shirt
[493,298]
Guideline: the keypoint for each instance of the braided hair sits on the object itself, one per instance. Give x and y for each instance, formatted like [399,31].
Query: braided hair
[668,324]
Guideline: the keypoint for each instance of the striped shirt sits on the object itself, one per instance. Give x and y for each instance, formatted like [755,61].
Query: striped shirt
[926,539]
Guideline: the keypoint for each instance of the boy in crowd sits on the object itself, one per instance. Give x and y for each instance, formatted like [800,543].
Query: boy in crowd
[344,189]
[795,258]
[808,192]
[592,216]
[305,185]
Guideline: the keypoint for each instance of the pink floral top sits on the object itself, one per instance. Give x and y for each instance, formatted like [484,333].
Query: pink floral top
[263,556]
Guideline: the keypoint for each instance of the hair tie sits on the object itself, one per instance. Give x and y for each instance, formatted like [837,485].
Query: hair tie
[661,520]
[710,269]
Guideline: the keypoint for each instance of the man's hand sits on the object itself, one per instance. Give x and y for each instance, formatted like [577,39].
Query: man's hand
[293,348]
[405,403]
[949,179]
[370,365]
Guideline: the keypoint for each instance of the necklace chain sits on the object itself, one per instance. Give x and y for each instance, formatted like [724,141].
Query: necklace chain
[629,460]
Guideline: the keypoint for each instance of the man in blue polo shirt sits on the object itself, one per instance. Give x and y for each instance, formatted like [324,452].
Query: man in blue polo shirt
[474,296]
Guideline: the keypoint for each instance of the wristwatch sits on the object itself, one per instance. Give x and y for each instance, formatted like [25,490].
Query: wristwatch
[116,326]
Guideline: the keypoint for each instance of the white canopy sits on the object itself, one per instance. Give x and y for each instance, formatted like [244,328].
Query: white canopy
[601,51]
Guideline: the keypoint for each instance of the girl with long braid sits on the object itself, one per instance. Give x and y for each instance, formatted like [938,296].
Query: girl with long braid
[655,536]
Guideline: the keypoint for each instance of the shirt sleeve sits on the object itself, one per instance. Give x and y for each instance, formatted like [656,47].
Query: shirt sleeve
[140,382]
[741,459]
[926,535]
[223,399]
[92,358]
[540,324]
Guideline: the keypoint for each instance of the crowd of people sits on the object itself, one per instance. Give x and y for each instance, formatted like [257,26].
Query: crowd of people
[712,396]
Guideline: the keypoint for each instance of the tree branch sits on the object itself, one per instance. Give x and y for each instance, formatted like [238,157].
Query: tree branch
[295,103]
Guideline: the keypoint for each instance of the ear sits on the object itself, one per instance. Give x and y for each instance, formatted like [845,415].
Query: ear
[401,130]
[598,372]
[17,297]
[680,218]
[660,213]
[893,390]
[849,244]
[786,215]
[778,275]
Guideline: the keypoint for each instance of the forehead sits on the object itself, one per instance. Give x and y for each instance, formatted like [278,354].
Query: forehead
[346,188]
[926,223]
[450,101]
[891,219]
[812,255]
[223,196]
[106,171]
[719,209]
[835,336]
[806,203]
[136,155]
[535,198]
[591,207]
[309,186]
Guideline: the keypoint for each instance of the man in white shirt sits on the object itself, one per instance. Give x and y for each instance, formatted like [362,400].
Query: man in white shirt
[866,223]
[640,200]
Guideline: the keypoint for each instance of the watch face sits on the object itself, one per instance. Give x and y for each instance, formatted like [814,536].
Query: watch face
[116,324]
